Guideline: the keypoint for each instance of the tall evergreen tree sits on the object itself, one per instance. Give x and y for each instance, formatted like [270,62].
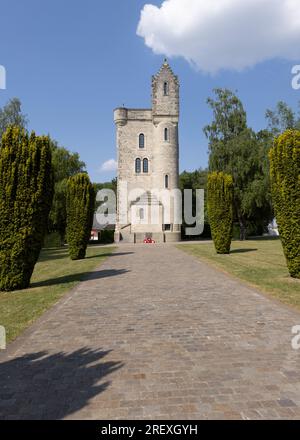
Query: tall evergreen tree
[80,213]
[220,210]
[26,190]
[285,182]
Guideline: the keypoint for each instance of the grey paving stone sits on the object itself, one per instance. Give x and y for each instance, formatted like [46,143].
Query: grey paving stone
[155,334]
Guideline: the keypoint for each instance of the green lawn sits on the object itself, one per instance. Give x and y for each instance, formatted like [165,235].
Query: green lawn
[53,276]
[260,263]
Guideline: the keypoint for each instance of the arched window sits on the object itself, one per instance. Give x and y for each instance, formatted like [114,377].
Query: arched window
[137,166]
[166,181]
[166,89]
[145,166]
[166,134]
[141,140]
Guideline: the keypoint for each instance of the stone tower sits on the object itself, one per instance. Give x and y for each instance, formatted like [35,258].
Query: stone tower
[148,170]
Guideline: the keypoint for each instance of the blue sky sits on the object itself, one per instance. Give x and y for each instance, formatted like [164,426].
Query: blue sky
[72,62]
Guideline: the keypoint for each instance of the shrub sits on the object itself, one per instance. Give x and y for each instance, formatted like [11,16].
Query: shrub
[26,190]
[107,236]
[220,210]
[53,240]
[80,212]
[285,187]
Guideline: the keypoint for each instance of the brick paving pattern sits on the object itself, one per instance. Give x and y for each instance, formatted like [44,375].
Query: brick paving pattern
[155,334]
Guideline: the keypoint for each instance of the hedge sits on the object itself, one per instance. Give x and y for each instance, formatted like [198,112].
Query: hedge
[26,191]
[80,213]
[285,187]
[220,210]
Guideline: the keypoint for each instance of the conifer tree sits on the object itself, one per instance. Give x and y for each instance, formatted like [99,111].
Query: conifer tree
[220,210]
[26,190]
[285,185]
[80,213]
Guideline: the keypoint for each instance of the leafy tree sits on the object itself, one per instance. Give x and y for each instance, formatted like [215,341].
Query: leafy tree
[220,210]
[282,118]
[26,189]
[238,151]
[106,185]
[11,115]
[195,180]
[80,213]
[285,182]
[65,164]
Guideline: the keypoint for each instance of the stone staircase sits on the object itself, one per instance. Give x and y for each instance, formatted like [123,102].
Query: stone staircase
[147,199]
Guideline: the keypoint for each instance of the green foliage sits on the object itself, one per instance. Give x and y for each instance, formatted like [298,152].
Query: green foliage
[285,183]
[58,213]
[195,180]
[11,115]
[26,190]
[65,164]
[80,213]
[220,210]
[106,185]
[237,150]
[230,118]
[282,118]
[107,236]
[52,240]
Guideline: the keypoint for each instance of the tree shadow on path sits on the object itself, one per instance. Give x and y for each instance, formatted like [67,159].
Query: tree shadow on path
[83,276]
[113,254]
[52,386]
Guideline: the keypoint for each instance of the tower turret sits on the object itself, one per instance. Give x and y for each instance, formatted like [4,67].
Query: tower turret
[165,93]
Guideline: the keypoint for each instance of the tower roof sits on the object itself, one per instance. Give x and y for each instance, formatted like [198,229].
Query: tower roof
[165,68]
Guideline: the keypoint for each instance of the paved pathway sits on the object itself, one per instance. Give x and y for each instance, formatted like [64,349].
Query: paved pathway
[155,334]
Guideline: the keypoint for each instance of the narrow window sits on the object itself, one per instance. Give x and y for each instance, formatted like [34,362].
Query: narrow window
[142,216]
[166,135]
[138,166]
[145,166]
[166,89]
[141,140]
[166,181]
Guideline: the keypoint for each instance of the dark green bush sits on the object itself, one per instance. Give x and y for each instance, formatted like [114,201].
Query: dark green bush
[220,210]
[80,213]
[53,240]
[285,186]
[26,191]
[236,231]
[107,236]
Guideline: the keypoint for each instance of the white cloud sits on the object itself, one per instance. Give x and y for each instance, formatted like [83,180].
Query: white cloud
[223,34]
[108,166]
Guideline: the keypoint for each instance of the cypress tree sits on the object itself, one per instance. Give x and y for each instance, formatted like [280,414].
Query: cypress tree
[80,213]
[26,190]
[285,186]
[220,210]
